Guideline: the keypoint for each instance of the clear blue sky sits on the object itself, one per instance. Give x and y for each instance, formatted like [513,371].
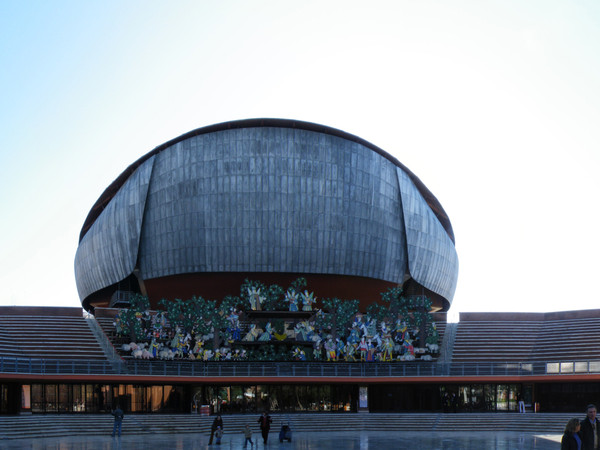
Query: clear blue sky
[494,105]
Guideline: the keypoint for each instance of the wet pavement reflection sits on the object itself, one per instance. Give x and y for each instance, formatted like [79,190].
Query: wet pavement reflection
[360,440]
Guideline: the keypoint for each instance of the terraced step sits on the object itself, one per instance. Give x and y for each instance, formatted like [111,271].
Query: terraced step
[32,426]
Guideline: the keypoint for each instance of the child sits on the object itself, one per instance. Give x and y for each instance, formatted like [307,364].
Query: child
[219,435]
[248,436]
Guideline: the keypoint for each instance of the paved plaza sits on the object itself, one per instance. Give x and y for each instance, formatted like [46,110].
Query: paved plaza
[305,441]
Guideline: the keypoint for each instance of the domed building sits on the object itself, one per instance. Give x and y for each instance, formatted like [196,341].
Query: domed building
[294,204]
[271,200]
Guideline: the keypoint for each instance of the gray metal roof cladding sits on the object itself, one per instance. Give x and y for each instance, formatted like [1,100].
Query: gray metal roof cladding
[110,191]
[267,195]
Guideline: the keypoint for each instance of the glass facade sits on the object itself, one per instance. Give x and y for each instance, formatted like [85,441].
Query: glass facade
[252,398]
[3,397]
[565,397]
[94,398]
[227,399]
[237,399]
[447,398]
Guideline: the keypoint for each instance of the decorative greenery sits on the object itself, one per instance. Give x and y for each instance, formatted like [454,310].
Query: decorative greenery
[131,318]
[398,305]
[377,311]
[337,315]
[298,284]
[433,336]
[201,311]
[421,307]
[174,311]
[275,299]
[198,318]
[139,303]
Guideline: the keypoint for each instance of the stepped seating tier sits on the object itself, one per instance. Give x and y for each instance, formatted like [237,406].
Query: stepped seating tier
[34,426]
[63,333]
[527,337]
[26,333]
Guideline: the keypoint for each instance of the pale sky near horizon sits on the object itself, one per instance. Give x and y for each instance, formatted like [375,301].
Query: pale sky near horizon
[494,105]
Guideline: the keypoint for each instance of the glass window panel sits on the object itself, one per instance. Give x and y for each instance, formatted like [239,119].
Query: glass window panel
[154,397]
[513,393]
[37,398]
[237,400]
[463,397]
[89,398]
[175,400]
[109,401]
[344,398]
[64,398]
[249,393]
[490,395]
[262,397]
[275,394]
[477,399]
[502,394]
[130,398]
[51,398]
[324,395]
[4,398]
[26,398]
[78,403]
[566,367]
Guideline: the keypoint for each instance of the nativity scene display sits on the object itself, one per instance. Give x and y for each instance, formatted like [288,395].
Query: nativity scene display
[268,323]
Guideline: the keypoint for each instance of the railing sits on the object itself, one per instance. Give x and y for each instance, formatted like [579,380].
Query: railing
[291,369]
[58,366]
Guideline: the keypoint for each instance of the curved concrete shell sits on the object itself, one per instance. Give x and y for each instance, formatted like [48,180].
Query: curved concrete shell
[269,197]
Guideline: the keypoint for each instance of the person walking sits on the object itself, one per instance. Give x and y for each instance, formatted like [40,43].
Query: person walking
[571,439]
[265,424]
[219,435]
[118,414]
[248,436]
[590,430]
[521,403]
[218,422]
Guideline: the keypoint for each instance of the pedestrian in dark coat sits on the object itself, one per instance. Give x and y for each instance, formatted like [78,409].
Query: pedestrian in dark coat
[590,430]
[265,424]
[571,439]
[118,413]
[218,422]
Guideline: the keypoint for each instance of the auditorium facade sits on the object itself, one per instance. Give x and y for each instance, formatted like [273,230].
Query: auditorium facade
[279,265]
